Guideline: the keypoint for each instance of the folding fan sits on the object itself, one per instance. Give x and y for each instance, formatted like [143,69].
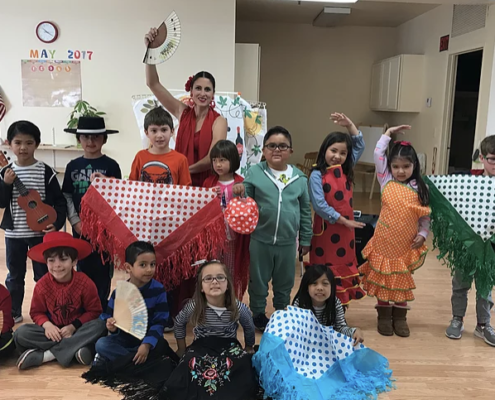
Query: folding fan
[166,42]
[1,321]
[130,312]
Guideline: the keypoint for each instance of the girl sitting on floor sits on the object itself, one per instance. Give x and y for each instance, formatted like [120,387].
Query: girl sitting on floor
[215,364]
[302,357]
[318,293]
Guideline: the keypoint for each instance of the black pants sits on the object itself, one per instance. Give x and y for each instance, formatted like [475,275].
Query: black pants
[99,272]
[17,250]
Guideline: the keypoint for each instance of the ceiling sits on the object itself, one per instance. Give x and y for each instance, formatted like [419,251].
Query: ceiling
[363,13]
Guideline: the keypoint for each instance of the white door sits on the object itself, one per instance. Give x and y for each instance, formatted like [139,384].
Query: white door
[393,83]
[247,70]
[385,83]
[376,84]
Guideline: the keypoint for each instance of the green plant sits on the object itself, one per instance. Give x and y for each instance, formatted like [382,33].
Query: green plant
[82,109]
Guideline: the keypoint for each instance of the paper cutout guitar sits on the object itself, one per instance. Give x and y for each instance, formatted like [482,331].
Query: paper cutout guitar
[38,214]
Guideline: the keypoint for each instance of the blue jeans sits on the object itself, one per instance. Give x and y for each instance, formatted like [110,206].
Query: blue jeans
[117,345]
[17,250]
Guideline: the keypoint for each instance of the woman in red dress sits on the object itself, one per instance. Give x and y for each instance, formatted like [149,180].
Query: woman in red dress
[200,128]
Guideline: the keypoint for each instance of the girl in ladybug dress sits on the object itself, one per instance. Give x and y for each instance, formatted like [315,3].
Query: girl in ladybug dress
[330,190]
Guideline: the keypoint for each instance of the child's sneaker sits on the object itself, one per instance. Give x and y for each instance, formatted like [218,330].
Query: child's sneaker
[30,358]
[455,329]
[84,355]
[487,333]
[260,322]
[18,319]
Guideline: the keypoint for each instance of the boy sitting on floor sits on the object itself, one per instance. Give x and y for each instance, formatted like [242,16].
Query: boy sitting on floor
[65,307]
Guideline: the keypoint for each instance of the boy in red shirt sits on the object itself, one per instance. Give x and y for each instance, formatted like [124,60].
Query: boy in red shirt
[159,163]
[6,323]
[65,307]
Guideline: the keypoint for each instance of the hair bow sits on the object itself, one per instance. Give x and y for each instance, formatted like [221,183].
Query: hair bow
[403,143]
[188,83]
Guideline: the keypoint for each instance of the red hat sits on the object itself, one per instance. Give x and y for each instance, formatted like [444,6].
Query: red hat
[59,239]
[242,215]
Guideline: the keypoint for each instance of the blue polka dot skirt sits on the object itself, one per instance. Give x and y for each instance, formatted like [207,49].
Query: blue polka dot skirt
[301,359]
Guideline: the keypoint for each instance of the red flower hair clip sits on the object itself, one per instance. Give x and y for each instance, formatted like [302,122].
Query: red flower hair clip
[403,143]
[188,83]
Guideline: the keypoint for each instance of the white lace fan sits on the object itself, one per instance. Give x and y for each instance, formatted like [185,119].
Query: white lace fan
[166,42]
[130,312]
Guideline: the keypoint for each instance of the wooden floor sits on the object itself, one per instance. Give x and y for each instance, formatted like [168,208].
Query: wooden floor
[427,365]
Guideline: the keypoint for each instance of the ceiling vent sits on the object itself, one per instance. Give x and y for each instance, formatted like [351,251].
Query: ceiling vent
[331,16]
[468,19]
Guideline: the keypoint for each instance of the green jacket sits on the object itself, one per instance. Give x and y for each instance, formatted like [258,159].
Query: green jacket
[283,212]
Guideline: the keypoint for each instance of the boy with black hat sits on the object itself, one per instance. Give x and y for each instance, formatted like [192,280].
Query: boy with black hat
[79,173]
[65,307]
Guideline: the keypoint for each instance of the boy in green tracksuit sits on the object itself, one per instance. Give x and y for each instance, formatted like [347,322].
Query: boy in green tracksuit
[281,192]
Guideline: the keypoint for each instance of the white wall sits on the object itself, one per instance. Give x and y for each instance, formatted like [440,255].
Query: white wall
[307,73]
[114,30]
[422,36]
[247,70]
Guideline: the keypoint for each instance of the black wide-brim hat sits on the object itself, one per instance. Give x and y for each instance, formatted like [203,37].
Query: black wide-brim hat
[91,126]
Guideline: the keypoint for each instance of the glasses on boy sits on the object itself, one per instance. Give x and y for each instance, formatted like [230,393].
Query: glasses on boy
[274,146]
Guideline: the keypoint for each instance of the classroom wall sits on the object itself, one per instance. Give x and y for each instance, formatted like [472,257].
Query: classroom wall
[422,36]
[114,31]
[307,73]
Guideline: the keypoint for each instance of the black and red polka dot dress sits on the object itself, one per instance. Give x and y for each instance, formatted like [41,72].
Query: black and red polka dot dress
[334,244]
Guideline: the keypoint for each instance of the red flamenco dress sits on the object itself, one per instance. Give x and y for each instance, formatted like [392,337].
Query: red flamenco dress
[195,146]
[334,244]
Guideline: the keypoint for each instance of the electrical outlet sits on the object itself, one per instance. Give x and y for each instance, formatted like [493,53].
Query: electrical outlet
[428,102]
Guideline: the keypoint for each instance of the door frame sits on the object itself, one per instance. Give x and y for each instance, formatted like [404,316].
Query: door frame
[442,164]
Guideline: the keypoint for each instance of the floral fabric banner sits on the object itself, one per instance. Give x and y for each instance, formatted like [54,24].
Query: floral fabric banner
[247,125]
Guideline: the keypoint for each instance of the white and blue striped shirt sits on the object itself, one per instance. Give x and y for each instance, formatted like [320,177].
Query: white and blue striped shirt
[218,322]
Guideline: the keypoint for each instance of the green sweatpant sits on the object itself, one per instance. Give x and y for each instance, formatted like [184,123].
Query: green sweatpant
[275,263]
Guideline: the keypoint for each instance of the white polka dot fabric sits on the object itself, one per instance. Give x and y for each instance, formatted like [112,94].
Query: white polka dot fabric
[150,211]
[242,215]
[472,197]
[313,348]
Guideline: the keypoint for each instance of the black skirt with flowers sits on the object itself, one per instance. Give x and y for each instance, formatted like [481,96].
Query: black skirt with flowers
[215,369]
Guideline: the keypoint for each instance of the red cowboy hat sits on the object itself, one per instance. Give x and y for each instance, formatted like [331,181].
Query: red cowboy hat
[242,215]
[59,239]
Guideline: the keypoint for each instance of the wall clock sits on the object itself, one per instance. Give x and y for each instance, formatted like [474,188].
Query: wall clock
[47,32]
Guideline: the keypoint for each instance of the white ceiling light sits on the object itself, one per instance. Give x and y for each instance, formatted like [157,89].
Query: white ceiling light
[326,1]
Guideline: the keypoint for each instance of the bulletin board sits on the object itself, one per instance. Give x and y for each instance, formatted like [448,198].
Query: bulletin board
[51,83]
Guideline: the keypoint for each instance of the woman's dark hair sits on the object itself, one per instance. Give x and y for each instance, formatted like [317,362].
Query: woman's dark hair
[203,74]
[26,128]
[311,275]
[61,251]
[134,250]
[228,150]
[348,165]
[406,151]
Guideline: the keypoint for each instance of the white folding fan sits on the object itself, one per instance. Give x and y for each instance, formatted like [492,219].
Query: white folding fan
[166,42]
[130,312]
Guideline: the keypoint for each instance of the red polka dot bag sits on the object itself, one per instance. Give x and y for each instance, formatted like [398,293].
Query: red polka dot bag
[242,215]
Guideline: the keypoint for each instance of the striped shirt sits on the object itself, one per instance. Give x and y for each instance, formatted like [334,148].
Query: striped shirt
[340,322]
[33,177]
[217,323]
[155,298]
